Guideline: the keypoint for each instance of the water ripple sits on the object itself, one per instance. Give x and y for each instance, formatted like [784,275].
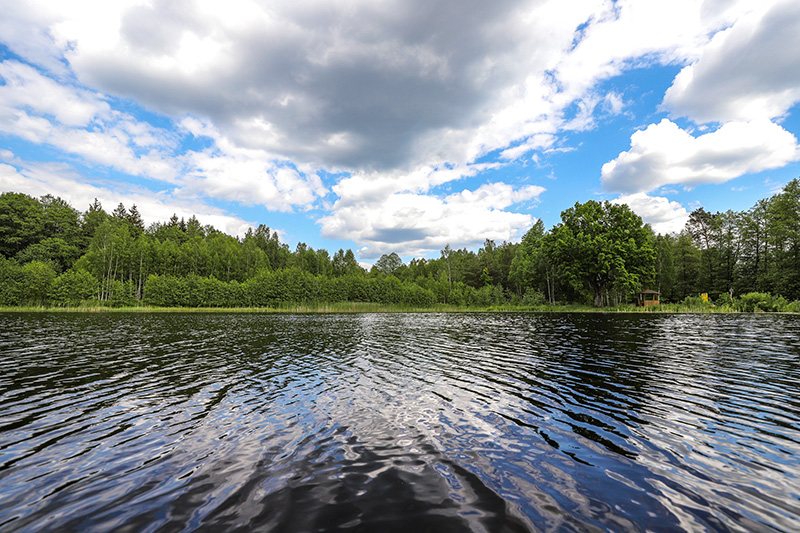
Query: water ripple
[442,422]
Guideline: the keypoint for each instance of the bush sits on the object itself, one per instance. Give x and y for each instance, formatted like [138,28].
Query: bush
[73,288]
[36,279]
[725,300]
[695,301]
[533,297]
[10,281]
[761,301]
[121,293]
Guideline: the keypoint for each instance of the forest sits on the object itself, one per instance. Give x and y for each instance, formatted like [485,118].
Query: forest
[600,254]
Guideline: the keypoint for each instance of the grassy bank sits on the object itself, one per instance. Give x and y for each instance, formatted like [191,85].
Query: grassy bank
[360,307]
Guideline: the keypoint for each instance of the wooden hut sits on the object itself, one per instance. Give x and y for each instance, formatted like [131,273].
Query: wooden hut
[647,298]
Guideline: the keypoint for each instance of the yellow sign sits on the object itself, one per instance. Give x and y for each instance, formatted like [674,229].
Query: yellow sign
[704,296]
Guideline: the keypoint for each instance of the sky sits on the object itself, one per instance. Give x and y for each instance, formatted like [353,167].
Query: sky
[399,126]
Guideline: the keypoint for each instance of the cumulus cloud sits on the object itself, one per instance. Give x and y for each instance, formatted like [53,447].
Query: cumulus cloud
[399,97]
[44,111]
[415,224]
[77,121]
[663,215]
[339,84]
[664,154]
[748,71]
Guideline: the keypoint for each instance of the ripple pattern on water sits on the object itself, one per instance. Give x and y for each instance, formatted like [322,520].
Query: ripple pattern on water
[441,422]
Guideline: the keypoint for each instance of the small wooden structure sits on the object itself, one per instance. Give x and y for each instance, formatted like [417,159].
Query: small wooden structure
[647,298]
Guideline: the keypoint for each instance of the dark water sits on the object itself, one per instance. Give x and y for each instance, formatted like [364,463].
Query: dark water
[413,423]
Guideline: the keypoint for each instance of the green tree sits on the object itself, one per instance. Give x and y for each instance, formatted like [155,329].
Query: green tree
[784,231]
[755,249]
[388,264]
[527,269]
[20,222]
[686,257]
[603,246]
[92,218]
[729,250]
[59,219]
[345,264]
[35,283]
[135,220]
[52,250]
[702,226]
[10,281]
[120,213]
[665,265]
[73,288]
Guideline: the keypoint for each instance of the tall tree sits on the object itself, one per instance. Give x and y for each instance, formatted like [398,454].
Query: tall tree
[388,264]
[604,247]
[527,269]
[686,257]
[59,219]
[92,219]
[20,222]
[702,226]
[665,265]
[755,249]
[120,213]
[135,220]
[785,238]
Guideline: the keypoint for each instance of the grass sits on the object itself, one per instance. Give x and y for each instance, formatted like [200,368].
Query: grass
[363,307]
[339,307]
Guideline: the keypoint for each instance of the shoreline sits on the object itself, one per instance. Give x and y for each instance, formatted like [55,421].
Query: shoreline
[359,307]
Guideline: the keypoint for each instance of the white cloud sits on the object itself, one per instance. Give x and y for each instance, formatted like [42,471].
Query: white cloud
[630,32]
[665,154]
[76,121]
[663,215]
[415,224]
[401,95]
[44,111]
[352,85]
[25,88]
[749,71]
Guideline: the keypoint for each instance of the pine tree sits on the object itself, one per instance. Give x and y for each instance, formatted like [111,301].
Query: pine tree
[135,219]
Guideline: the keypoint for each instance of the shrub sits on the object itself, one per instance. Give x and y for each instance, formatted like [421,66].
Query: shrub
[761,301]
[533,297]
[694,301]
[73,288]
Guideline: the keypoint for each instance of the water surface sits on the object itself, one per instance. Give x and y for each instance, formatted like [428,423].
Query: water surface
[417,422]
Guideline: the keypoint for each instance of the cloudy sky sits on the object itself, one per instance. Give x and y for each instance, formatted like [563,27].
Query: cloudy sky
[399,125]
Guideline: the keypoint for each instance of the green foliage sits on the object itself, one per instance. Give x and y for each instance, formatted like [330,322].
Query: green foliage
[388,264]
[36,279]
[603,247]
[533,297]
[693,303]
[20,222]
[73,288]
[599,254]
[761,301]
[53,250]
[10,282]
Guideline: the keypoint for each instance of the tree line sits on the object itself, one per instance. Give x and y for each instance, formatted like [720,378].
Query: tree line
[600,254]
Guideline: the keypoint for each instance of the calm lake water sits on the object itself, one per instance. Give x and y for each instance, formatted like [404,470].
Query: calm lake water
[399,422]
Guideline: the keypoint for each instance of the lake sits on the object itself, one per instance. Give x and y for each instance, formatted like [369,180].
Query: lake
[399,422]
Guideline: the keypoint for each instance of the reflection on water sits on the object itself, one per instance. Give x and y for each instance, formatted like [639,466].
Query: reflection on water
[398,422]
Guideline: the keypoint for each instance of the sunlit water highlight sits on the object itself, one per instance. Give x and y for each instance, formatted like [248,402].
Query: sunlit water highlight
[417,422]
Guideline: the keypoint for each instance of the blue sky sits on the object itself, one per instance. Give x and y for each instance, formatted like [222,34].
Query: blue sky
[399,126]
